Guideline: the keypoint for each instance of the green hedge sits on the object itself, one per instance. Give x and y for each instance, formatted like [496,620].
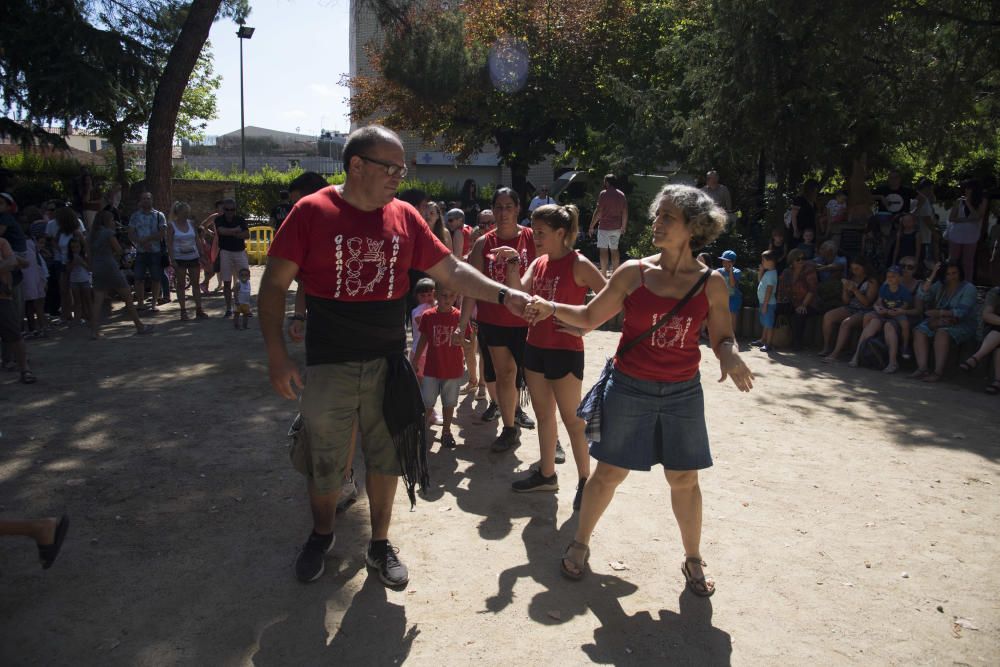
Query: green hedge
[258,193]
[40,178]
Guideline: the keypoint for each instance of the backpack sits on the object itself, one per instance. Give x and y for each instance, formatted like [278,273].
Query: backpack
[874,353]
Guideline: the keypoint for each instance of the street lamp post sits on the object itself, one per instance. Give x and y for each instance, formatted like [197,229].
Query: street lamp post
[245,32]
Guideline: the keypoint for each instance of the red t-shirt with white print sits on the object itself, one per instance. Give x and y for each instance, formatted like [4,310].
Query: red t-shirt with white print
[346,254]
[444,360]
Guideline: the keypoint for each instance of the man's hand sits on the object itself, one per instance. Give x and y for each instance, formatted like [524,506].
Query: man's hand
[516,301]
[537,310]
[296,330]
[285,377]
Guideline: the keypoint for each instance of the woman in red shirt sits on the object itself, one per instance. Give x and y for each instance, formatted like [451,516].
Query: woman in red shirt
[553,356]
[501,333]
[653,404]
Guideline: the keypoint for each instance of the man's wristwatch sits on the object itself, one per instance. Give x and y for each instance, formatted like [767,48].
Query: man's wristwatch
[297,318]
[502,295]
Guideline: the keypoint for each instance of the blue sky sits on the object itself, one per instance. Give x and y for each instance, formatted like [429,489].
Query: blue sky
[291,67]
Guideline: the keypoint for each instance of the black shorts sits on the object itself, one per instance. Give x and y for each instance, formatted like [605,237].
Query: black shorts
[553,364]
[491,335]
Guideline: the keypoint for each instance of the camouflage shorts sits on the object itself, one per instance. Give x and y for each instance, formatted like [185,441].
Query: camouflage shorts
[335,397]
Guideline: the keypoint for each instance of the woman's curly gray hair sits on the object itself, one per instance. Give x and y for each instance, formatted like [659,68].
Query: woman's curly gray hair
[702,215]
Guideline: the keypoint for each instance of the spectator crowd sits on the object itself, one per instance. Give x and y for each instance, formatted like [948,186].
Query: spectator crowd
[884,286]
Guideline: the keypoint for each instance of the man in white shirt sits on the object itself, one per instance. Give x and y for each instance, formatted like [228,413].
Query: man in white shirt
[541,199]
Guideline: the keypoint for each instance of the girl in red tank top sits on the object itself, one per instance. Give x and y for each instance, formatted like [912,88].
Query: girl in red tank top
[496,266]
[553,355]
[508,248]
[652,407]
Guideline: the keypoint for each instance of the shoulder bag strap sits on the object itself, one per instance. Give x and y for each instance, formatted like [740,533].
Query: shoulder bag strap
[666,318]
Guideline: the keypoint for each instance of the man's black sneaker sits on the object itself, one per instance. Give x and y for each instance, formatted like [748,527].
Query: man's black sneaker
[448,441]
[382,557]
[509,437]
[560,453]
[522,419]
[229,313]
[578,498]
[309,566]
[536,481]
[491,413]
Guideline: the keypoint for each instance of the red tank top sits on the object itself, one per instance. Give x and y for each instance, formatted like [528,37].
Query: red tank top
[494,313]
[671,353]
[553,280]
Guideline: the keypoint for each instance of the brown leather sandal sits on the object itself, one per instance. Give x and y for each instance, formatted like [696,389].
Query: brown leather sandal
[572,554]
[700,586]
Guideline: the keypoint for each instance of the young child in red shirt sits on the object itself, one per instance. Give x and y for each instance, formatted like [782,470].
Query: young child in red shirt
[445,362]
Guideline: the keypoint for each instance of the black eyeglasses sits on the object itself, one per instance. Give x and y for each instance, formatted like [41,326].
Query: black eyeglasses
[391,170]
[909,266]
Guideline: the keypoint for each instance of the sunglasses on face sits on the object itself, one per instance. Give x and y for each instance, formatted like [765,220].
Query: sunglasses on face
[229,210]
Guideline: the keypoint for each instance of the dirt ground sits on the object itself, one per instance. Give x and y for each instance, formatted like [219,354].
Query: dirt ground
[850,518]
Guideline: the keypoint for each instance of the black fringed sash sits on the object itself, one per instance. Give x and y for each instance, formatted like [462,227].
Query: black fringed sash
[403,409]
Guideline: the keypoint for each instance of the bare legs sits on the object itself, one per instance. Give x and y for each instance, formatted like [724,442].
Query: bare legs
[615,258]
[42,531]
[192,274]
[381,490]
[95,321]
[685,499]
[873,324]
[990,342]
[921,348]
[831,319]
[506,383]
[597,495]
[847,325]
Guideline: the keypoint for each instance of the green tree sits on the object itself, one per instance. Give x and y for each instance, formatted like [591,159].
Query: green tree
[527,79]
[198,103]
[782,89]
[123,113]
[180,63]
[41,83]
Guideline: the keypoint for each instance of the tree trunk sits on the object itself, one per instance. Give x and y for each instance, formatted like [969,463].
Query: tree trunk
[519,184]
[120,163]
[760,196]
[167,101]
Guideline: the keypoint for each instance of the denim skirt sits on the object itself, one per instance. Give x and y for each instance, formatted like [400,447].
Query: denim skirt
[647,422]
